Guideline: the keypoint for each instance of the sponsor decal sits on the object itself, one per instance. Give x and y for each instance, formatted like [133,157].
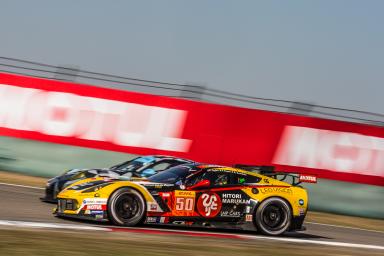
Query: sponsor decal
[153,207]
[151,219]
[248,217]
[87,212]
[156,219]
[248,209]
[230,214]
[307,178]
[96,212]
[223,170]
[155,185]
[95,201]
[99,216]
[96,207]
[234,199]
[331,150]
[94,204]
[302,211]
[178,222]
[166,194]
[275,190]
[209,204]
[183,193]
[181,222]
[87,118]
[163,219]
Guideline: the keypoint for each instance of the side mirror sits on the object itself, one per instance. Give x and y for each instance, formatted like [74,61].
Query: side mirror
[200,184]
[148,172]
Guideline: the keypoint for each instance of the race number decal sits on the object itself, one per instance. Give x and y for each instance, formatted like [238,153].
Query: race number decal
[209,205]
[184,203]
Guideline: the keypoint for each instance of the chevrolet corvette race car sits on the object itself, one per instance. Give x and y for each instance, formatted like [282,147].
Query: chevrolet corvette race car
[192,195]
[143,166]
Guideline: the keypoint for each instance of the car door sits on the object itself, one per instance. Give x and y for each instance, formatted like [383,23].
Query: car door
[224,199]
[183,201]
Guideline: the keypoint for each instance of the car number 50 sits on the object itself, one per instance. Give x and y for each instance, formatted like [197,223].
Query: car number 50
[184,204]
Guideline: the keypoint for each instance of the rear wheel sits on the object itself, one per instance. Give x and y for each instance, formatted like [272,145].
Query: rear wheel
[126,207]
[273,216]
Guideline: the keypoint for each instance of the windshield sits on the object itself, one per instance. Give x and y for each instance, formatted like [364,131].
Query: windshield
[172,175]
[133,165]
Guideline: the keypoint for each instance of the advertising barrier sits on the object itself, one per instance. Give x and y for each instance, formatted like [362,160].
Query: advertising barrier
[137,123]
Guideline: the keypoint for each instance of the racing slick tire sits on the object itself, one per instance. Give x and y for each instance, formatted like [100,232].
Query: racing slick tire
[126,207]
[273,216]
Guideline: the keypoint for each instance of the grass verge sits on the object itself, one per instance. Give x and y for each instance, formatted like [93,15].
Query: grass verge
[16,178]
[47,242]
[343,220]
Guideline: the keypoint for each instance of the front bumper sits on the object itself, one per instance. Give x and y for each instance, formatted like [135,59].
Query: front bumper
[72,209]
[104,217]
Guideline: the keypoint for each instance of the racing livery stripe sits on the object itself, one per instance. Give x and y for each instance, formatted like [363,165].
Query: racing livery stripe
[250,186]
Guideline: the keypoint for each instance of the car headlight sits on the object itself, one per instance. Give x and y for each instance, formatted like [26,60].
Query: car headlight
[95,188]
[66,184]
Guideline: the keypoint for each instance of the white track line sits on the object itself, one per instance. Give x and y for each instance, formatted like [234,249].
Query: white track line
[308,241]
[346,227]
[25,224]
[291,240]
[17,185]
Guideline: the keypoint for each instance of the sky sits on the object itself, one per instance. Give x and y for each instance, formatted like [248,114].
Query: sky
[328,52]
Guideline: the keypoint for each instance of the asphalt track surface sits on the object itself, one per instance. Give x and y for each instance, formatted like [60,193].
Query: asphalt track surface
[20,203]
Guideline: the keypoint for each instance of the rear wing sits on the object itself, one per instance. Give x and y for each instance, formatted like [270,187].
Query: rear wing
[293,178]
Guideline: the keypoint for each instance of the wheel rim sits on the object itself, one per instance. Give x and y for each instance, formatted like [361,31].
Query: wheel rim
[127,207]
[274,217]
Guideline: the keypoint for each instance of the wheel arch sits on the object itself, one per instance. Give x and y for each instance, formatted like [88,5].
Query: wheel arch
[127,187]
[131,187]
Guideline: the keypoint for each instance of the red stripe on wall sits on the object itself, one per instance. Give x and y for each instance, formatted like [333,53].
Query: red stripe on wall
[110,119]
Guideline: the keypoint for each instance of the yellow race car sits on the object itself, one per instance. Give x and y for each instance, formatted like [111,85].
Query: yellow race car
[191,195]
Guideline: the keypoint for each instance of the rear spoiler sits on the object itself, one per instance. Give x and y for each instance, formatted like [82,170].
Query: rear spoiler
[269,171]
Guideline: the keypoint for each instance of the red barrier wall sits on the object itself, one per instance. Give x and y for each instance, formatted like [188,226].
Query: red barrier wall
[89,116]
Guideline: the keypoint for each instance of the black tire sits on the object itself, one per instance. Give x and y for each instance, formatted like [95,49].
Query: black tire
[126,207]
[273,217]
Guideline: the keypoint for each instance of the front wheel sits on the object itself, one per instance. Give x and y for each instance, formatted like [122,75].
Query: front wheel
[273,216]
[126,207]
